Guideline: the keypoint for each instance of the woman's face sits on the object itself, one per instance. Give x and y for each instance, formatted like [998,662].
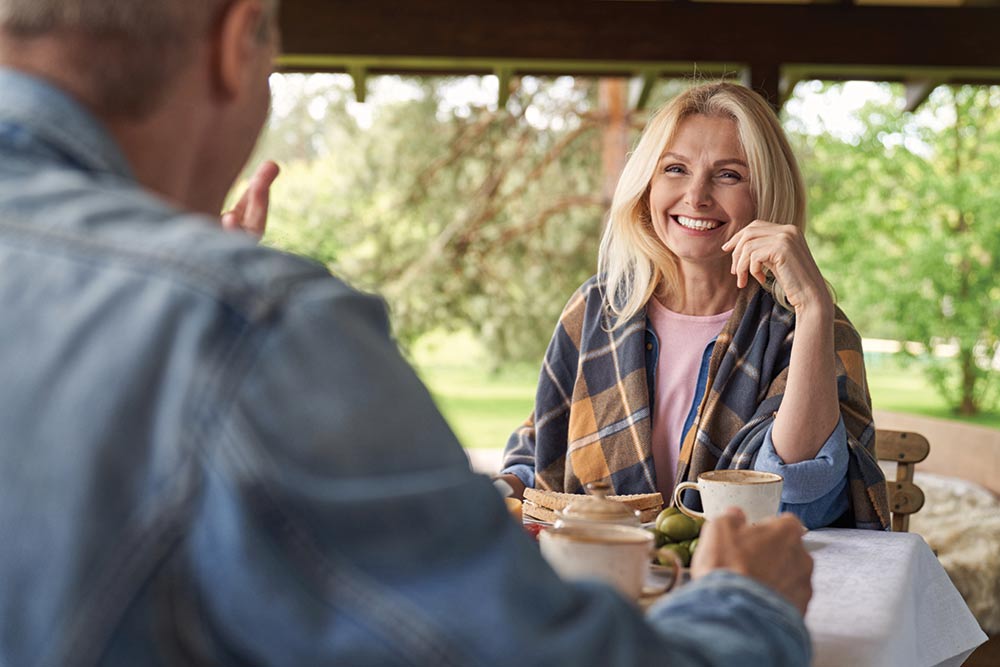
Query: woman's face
[700,194]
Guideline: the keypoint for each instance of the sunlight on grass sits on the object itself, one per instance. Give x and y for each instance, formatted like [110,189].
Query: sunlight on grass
[903,388]
[485,407]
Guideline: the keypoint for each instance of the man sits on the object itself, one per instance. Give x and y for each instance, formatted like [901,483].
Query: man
[212,453]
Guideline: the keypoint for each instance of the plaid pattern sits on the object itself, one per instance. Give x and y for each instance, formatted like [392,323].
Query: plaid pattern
[592,415]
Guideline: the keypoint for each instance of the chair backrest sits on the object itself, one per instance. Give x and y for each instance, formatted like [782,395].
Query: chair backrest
[906,449]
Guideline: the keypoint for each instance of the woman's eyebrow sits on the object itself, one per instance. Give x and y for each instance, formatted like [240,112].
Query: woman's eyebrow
[731,160]
[717,163]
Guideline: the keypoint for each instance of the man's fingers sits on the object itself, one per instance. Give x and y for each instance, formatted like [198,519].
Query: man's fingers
[736,514]
[258,198]
[267,172]
[733,519]
[240,209]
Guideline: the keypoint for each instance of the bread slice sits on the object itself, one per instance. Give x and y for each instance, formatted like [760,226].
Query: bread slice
[556,500]
[538,513]
[645,516]
[533,511]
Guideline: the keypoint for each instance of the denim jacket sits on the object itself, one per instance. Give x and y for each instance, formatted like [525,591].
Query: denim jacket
[212,453]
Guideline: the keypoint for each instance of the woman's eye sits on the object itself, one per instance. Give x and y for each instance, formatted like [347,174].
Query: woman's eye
[731,175]
[673,169]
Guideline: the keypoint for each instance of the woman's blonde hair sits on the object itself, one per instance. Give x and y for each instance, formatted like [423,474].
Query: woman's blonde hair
[632,259]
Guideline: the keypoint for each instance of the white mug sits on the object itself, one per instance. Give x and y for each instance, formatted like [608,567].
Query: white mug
[758,494]
[619,555]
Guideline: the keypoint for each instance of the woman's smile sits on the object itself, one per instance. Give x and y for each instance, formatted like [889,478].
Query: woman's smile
[697,224]
[700,195]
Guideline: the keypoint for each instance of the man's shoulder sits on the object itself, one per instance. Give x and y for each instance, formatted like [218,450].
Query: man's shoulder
[120,228]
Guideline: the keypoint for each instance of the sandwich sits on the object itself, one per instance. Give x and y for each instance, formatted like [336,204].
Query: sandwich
[542,505]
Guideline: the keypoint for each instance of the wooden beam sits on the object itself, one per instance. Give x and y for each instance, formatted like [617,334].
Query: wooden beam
[359,75]
[612,31]
[504,76]
[425,65]
[649,79]
[917,92]
[787,87]
[765,78]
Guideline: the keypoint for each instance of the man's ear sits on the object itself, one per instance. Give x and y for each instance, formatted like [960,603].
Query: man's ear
[237,40]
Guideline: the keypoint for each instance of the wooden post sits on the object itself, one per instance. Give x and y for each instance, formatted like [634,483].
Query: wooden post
[765,78]
[613,99]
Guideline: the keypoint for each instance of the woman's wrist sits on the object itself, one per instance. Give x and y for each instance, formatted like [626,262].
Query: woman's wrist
[516,485]
[819,309]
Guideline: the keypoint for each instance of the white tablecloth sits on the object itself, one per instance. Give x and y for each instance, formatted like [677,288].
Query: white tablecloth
[883,600]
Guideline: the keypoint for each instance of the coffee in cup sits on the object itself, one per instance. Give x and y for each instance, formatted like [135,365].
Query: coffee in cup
[757,493]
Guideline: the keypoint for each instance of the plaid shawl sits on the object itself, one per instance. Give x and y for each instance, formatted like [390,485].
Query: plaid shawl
[592,418]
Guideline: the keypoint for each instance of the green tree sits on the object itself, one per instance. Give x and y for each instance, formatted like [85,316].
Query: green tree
[466,217]
[462,218]
[905,222]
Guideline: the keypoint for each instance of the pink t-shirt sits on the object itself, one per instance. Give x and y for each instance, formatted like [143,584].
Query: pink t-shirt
[683,339]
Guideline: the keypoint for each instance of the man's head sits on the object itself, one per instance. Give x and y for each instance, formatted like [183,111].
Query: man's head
[134,48]
[149,68]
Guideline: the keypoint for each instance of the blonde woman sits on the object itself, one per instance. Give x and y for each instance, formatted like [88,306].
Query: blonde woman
[709,338]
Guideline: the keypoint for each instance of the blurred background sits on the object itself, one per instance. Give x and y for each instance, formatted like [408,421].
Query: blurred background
[476,221]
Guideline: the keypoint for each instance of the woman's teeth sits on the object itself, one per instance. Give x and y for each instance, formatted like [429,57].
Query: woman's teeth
[700,225]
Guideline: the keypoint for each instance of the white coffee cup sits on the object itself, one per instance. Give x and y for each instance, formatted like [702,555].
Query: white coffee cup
[619,555]
[758,494]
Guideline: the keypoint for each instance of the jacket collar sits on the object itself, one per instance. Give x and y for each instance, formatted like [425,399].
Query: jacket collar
[49,122]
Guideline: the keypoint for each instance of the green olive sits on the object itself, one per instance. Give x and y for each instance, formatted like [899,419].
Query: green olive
[678,527]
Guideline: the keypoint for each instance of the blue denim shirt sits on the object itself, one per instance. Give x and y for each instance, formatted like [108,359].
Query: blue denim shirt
[213,453]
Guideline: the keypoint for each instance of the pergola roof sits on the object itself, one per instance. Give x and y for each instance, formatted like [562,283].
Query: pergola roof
[770,45]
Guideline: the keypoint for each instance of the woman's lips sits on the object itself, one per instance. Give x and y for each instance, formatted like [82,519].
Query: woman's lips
[697,224]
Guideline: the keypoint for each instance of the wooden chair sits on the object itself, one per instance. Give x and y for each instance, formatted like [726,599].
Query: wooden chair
[906,449]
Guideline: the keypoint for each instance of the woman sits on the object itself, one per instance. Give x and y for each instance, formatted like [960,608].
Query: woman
[709,338]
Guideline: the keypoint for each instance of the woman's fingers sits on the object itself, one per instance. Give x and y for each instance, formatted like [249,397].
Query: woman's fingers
[752,258]
[757,270]
[763,246]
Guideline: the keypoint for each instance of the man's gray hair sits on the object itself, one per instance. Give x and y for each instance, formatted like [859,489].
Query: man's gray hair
[134,47]
[142,18]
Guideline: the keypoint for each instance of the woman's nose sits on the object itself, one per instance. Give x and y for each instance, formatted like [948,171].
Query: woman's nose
[698,194]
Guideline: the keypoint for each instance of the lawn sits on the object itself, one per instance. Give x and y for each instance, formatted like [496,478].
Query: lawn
[903,388]
[484,407]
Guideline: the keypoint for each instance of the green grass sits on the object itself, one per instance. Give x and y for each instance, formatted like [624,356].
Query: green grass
[903,388]
[485,407]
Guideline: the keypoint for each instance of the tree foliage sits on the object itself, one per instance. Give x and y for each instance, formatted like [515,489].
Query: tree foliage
[905,223]
[462,218]
[468,217]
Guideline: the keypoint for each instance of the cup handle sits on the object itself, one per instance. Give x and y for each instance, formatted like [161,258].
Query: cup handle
[681,506]
[652,591]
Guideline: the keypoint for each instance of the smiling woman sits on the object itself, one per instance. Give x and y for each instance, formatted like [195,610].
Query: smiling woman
[699,197]
[708,339]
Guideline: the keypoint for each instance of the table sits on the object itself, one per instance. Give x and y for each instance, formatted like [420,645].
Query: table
[883,600]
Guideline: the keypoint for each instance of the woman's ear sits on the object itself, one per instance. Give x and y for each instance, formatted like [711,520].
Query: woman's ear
[237,46]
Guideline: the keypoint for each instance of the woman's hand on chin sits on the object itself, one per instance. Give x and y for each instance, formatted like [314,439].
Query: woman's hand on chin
[781,250]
